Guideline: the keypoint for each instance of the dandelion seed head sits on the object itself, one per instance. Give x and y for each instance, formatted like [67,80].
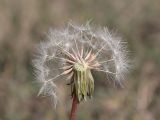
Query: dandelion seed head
[72,53]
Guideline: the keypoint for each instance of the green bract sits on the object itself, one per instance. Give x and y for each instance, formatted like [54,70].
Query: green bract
[82,82]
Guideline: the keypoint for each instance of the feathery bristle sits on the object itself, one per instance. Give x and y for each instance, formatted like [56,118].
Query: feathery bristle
[94,49]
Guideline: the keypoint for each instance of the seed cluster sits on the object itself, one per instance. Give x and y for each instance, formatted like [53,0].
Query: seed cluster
[72,53]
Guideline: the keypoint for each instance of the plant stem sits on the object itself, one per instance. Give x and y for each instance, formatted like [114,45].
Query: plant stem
[74,108]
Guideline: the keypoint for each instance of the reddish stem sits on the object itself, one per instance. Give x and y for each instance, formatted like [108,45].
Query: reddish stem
[74,108]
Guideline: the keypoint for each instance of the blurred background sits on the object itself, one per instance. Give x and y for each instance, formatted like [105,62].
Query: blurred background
[24,23]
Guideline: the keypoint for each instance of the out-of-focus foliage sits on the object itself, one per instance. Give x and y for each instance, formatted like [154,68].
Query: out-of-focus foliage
[23,23]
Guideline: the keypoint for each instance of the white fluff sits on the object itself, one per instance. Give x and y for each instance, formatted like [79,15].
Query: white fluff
[110,51]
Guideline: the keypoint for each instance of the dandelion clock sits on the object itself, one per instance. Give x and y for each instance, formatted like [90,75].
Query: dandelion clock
[72,53]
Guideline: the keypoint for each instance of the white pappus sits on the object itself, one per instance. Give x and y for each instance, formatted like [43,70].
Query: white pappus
[79,48]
